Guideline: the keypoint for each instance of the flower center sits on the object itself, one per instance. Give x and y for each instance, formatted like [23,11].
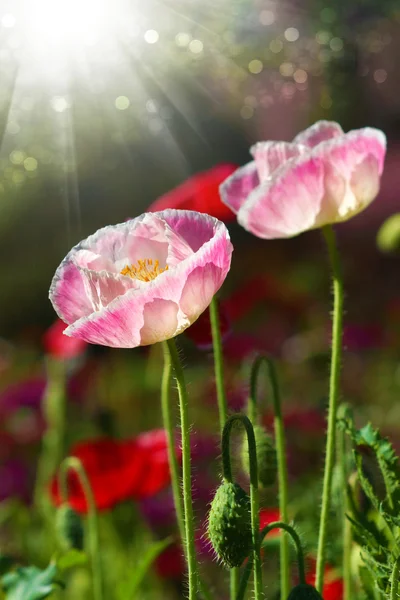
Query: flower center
[144,270]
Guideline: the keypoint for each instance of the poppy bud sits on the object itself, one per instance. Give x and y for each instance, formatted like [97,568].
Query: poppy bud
[388,238]
[69,528]
[229,524]
[266,457]
[304,591]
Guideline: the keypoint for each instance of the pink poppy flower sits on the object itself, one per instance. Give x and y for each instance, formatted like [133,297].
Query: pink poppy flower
[142,281]
[324,176]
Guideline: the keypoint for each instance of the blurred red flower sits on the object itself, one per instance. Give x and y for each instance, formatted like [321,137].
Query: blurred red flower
[170,564]
[200,331]
[201,193]
[268,516]
[333,584]
[58,345]
[118,470]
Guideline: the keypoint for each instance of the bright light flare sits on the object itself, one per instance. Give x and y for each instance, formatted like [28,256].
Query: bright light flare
[57,35]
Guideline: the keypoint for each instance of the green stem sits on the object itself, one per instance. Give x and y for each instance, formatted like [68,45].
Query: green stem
[281,457]
[245,579]
[234,575]
[74,464]
[337,332]
[296,539]
[343,412]
[254,494]
[394,583]
[218,362]
[186,470]
[54,438]
[169,428]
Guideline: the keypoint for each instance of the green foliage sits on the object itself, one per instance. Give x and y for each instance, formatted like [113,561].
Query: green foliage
[377,533]
[30,583]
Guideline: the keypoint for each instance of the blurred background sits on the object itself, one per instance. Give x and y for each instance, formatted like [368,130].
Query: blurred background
[107,105]
[104,106]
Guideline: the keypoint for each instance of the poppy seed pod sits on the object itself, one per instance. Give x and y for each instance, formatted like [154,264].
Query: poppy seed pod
[304,591]
[266,457]
[229,524]
[69,528]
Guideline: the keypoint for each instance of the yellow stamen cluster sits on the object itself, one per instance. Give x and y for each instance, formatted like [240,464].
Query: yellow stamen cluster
[145,270]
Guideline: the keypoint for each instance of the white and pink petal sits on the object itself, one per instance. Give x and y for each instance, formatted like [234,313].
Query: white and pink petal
[236,188]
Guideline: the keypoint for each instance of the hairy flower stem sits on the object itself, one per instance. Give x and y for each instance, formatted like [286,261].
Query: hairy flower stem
[281,457]
[189,541]
[222,403]
[337,332]
[74,464]
[54,438]
[254,494]
[169,428]
[218,362]
[343,412]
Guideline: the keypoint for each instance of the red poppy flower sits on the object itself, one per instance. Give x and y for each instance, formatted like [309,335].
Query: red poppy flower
[333,585]
[200,331]
[201,193]
[268,516]
[118,470]
[170,564]
[58,345]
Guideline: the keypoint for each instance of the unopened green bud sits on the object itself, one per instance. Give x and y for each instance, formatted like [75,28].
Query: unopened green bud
[388,238]
[303,591]
[69,528]
[229,524]
[266,457]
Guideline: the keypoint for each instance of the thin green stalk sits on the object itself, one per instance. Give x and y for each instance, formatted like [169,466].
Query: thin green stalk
[296,539]
[254,494]
[234,575]
[53,441]
[342,462]
[394,583]
[74,464]
[281,458]
[337,332]
[169,428]
[245,579]
[218,362]
[222,402]
[186,470]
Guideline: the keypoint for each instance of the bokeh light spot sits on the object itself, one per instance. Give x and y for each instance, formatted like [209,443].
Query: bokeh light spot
[196,46]
[292,34]
[30,164]
[182,39]
[266,17]
[151,36]
[122,102]
[255,66]
[17,157]
[380,75]
[59,103]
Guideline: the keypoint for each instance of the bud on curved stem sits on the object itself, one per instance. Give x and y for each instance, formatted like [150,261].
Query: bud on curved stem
[74,464]
[280,454]
[300,555]
[254,494]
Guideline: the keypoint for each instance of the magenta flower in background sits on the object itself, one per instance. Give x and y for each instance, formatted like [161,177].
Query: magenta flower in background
[324,176]
[142,281]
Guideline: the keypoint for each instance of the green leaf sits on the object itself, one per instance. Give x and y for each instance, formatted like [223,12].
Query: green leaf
[72,559]
[131,587]
[30,583]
